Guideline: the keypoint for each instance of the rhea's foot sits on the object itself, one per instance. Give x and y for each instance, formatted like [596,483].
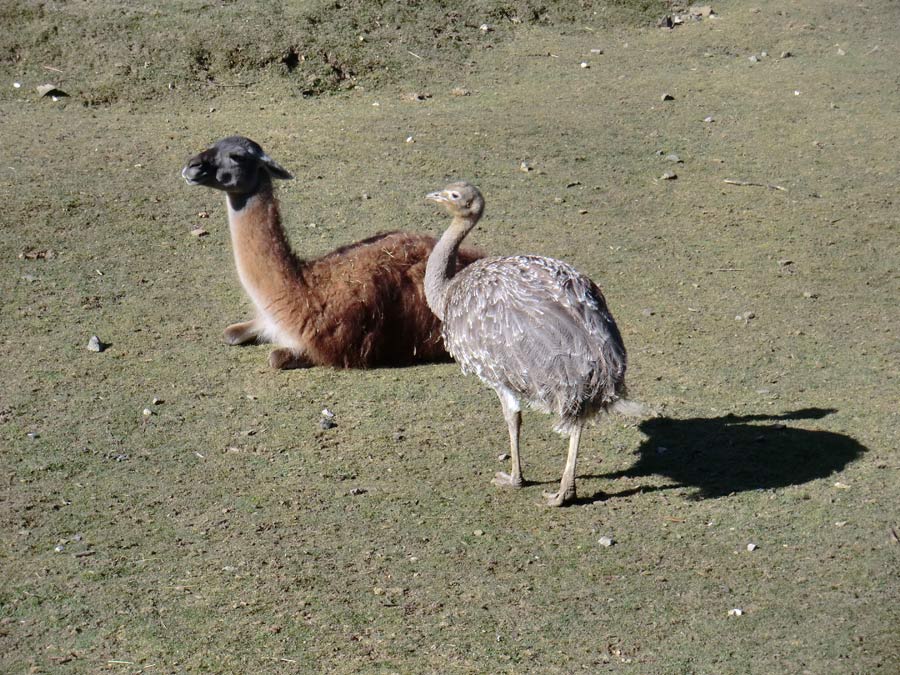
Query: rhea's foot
[559,498]
[502,479]
[241,333]
[285,359]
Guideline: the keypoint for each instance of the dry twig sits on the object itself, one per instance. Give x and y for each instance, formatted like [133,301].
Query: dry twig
[745,183]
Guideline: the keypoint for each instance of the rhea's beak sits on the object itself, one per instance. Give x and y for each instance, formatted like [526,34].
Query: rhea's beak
[438,197]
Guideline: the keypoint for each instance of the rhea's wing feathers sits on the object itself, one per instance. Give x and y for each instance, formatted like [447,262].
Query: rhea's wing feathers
[535,326]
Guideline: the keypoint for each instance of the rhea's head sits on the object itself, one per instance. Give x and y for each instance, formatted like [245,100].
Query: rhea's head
[462,200]
[234,164]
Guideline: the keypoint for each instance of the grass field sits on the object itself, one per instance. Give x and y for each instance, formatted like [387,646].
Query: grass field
[226,532]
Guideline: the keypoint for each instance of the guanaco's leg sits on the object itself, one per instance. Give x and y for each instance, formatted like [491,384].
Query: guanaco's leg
[285,359]
[567,484]
[514,423]
[242,333]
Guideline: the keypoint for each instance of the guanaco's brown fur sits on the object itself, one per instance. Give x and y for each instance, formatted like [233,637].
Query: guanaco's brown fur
[360,306]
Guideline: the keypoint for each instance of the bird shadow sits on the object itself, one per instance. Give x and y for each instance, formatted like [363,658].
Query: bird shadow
[719,456]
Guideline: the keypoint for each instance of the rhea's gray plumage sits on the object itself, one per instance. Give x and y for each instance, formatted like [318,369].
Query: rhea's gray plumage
[532,328]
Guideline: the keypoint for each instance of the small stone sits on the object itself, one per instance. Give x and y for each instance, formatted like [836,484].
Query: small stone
[378,590]
[753,59]
[525,167]
[147,412]
[841,486]
[327,413]
[708,119]
[585,64]
[199,232]
[59,548]
[763,55]
[33,435]
[751,547]
[157,401]
[667,97]
[840,523]
[647,311]
[662,450]
[606,541]
[596,51]
[95,345]
[502,457]
[326,423]
[674,158]
[786,54]
[478,533]
[410,139]
[17,85]
[784,262]
[669,175]
[841,52]
[50,90]
[809,295]
[459,91]
[358,491]
[735,612]
[485,28]
[203,214]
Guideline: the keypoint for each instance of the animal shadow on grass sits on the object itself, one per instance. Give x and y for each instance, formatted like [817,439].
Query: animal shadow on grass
[723,455]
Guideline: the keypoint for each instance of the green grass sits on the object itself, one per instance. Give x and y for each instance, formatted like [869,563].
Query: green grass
[223,531]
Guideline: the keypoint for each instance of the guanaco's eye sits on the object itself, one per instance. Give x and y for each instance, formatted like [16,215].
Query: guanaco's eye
[454,195]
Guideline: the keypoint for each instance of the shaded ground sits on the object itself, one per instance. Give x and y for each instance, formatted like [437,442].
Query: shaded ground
[227,532]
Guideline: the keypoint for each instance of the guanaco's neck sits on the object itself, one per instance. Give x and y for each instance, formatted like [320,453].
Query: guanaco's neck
[267,267]
[441,266]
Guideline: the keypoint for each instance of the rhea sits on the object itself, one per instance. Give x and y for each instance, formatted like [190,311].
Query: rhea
[360,306]
[532,328]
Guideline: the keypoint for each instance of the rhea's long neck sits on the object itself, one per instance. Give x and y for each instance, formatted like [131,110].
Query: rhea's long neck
[441,266]
[267,267]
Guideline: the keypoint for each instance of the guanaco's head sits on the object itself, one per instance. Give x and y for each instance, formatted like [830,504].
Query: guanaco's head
[462,200]
[234,165]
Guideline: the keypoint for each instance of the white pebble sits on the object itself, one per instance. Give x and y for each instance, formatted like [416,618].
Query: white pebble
[94,344]
[751,547]
[147,412]
[735,612]
[585,64]
[606,541]
[17,85]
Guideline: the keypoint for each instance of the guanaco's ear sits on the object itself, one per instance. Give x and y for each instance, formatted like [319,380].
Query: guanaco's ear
[275,169]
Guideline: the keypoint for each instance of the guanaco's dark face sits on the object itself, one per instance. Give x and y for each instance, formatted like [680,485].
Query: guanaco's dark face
[460,199]
[233,165]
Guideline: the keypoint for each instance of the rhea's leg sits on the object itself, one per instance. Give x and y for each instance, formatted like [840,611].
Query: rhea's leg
[285,359]
[242,333]
[567,484]
[514,423]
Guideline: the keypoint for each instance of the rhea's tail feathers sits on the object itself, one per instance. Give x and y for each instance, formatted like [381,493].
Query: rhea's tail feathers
[630,408]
